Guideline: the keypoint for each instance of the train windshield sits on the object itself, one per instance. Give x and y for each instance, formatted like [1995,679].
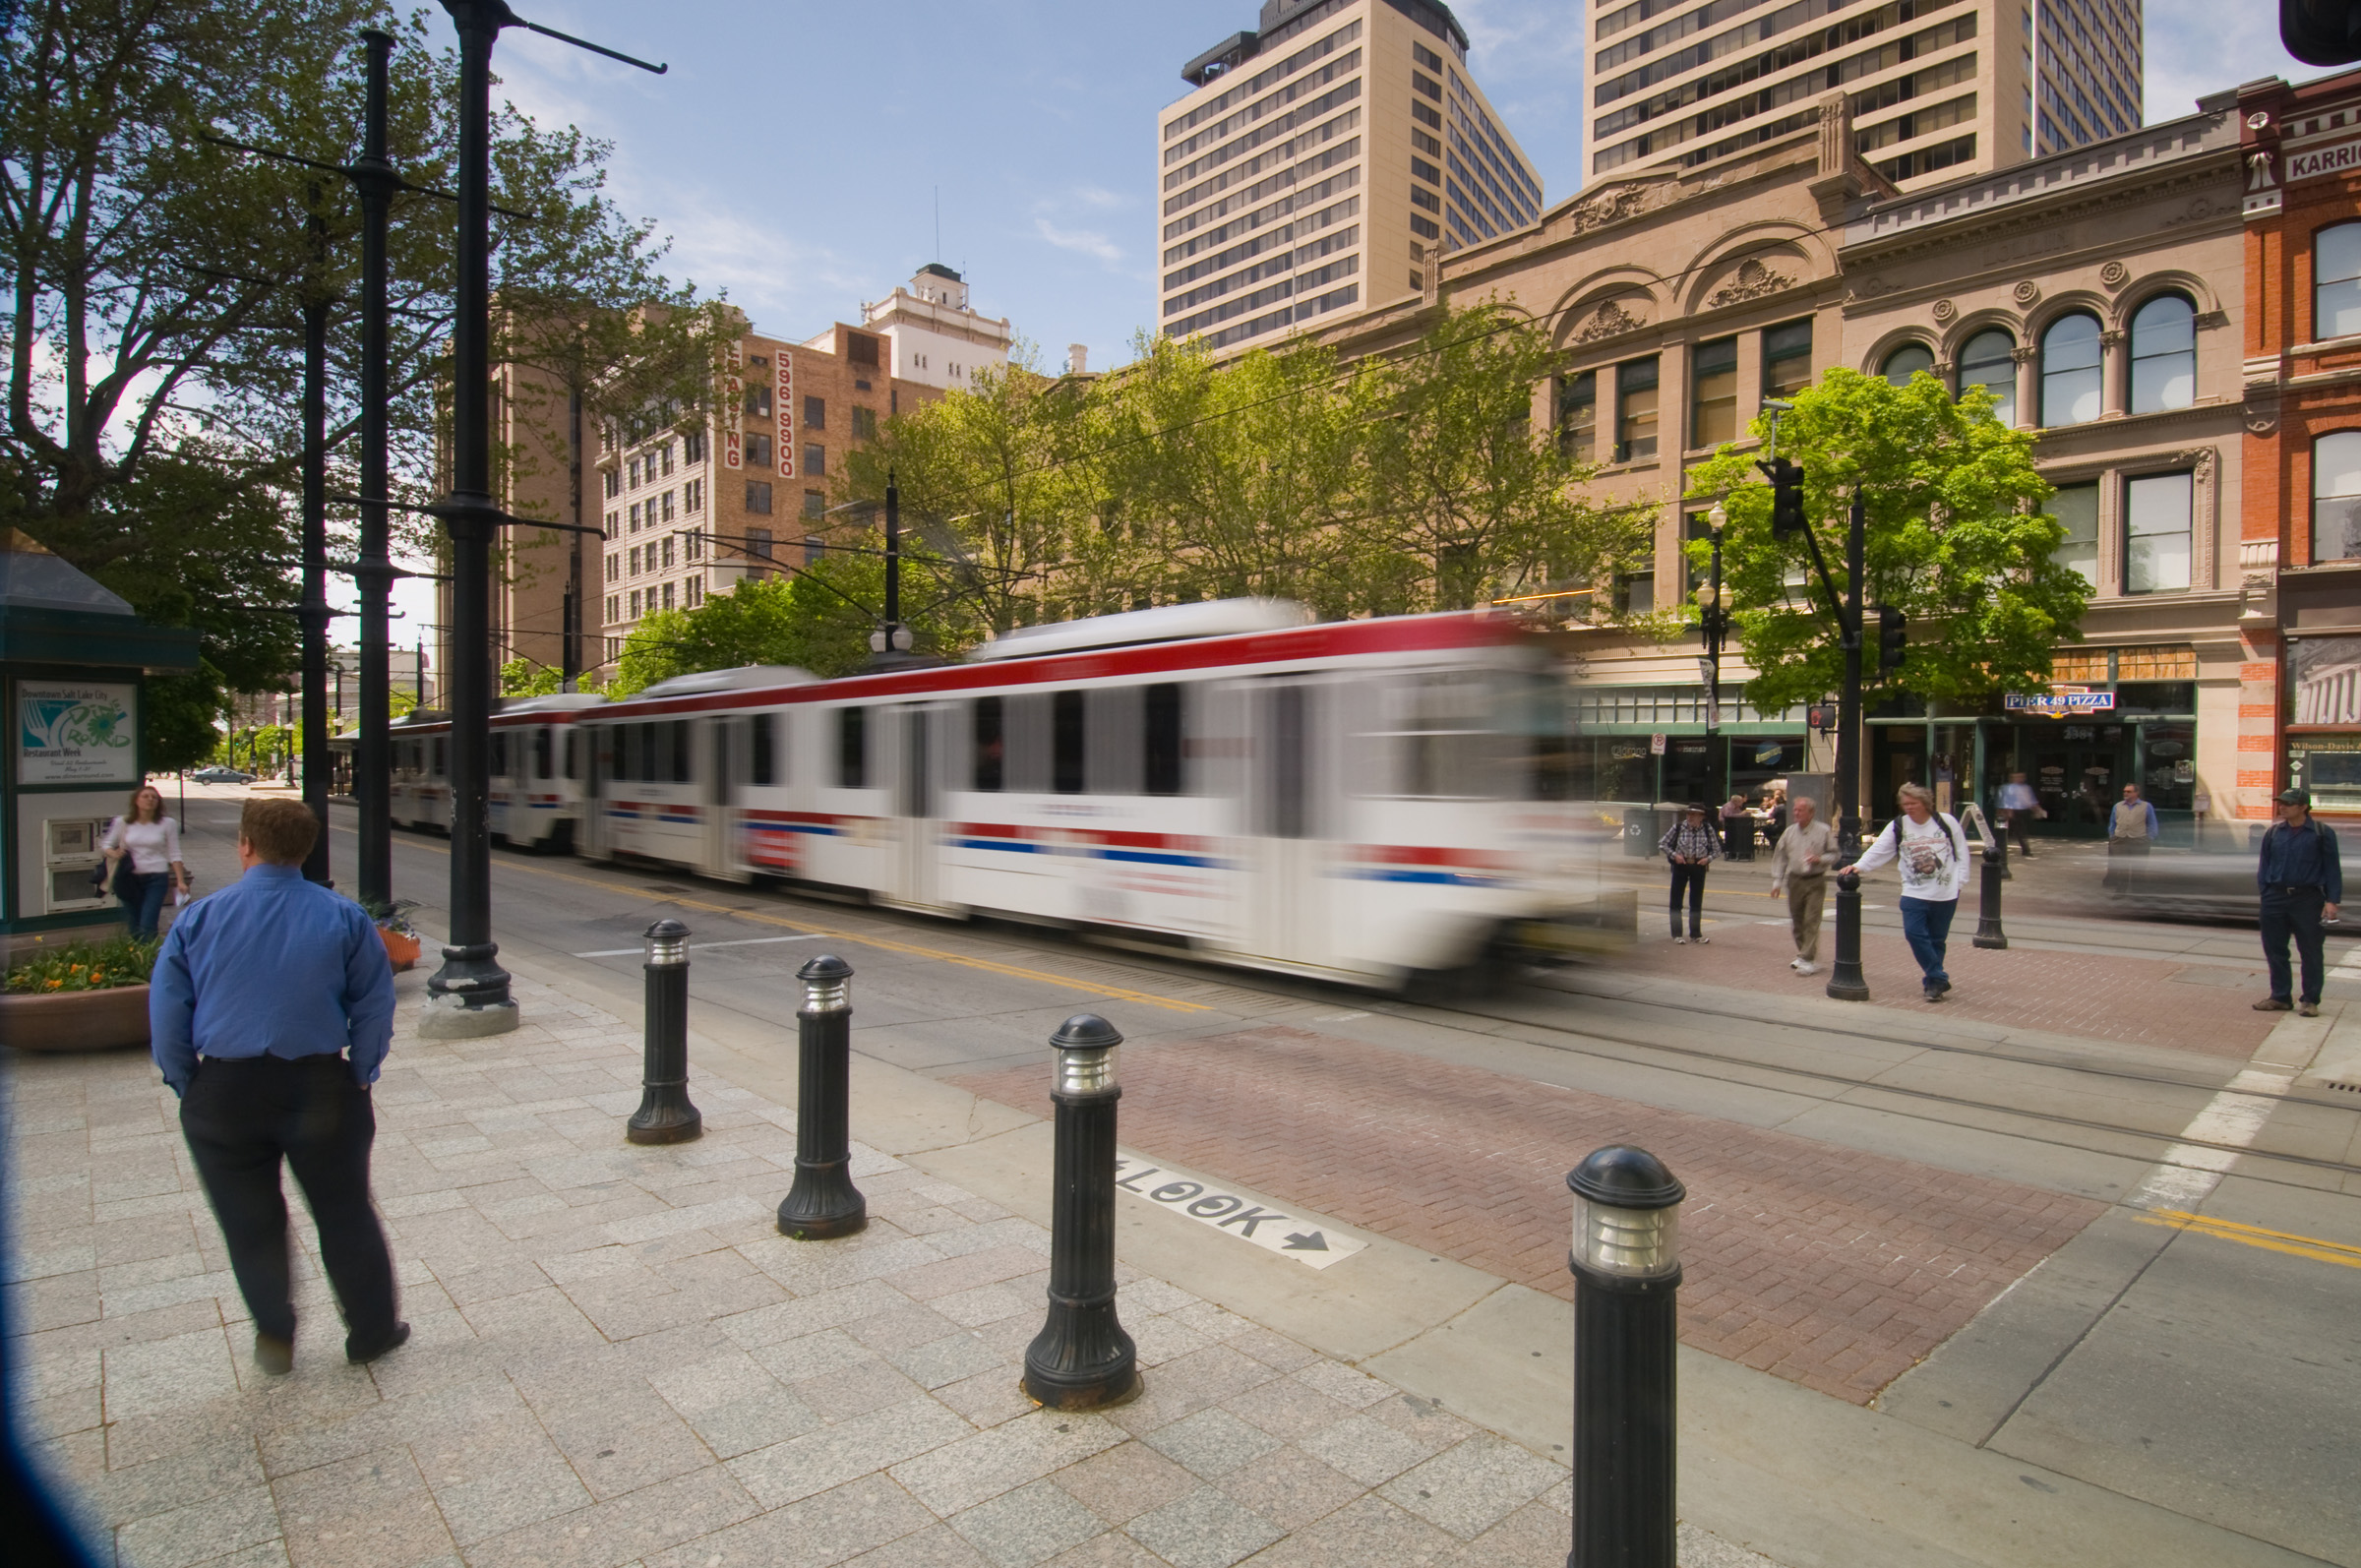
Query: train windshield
[1470,735]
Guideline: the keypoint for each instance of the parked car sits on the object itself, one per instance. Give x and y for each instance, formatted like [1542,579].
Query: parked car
[217,774]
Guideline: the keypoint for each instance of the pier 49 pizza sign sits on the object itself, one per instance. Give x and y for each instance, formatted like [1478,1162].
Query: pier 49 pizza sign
[2060,703]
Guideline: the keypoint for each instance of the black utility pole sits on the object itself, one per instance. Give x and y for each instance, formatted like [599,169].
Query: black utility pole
[1846,982]
[570,617]
[373,576]
[1714,601]
[892,640]
[314,612]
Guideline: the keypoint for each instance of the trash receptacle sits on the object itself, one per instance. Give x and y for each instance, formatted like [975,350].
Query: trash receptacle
[1640,831]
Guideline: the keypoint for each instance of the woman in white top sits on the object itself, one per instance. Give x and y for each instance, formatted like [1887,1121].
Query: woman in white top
[1933,854]
[153,842]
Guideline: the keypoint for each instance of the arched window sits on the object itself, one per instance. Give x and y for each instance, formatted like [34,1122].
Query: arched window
[2163,355]
[2336,495]
[2070,378]
[1990,361]
[1907,361]
[2336,281]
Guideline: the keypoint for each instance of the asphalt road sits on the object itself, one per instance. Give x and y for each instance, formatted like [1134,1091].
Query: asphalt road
[2207,1365]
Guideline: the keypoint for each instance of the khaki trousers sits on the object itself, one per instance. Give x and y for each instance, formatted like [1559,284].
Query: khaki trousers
[1805,896]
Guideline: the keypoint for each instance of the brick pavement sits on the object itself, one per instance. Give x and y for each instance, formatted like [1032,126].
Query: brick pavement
[619,1361]
[1832,1268]
[2149,1001]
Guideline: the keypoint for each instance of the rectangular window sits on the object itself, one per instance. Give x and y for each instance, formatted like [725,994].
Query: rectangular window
[815,413]
[813,547]
[1427,116]
[1433,89]
[614,523]
[635,560]
[852,747]
[861,349]
[614,570]
[815,462]
[635,516]
[757,449]
[613,484]
[667,499]
[667,552]
[2156,527]
[1420,196]
[665,452]
[1420,169]
[692,497]
[1426,57]
[758,497]
[1164,739]
[762,756]
[614,608]
[757,551]
[815,504]
[693,447]
[634,473]
[865,424]
[1714,404]
[680,750]
[634,604]
[1786,359]
[1065,742]
[668,596]
[2075,506]
[1635,409]
[1425,142]
[693,590]
[1425,228]
[1578,416]
[990,728]
[542,755]
[757,401]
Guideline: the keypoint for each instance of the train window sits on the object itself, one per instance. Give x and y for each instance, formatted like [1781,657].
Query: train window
[1163,739]
[1026,765]
[852,747]
[1437,740]
[658,753]
[1067,733]
[680,751]
[542,736]
[627,750]
[1539,720]
[1111,720]
[762,762]
[438,769]
[573,753]
[990,743]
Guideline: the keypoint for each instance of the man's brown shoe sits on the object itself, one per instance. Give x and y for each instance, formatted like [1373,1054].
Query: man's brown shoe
[2273,1004]
[274,1354]
[2307,1009]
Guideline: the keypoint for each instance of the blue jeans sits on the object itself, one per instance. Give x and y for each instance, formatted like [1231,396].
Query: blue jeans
[144,903]
[1926,922]
[2293,912]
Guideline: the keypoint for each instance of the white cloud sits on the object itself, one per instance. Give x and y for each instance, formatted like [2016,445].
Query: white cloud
[1095,196]
[1089,242]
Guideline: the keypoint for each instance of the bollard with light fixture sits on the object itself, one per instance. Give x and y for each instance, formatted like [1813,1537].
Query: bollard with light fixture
[823,1202]
[1987,912]
[665,1115]
[1627,1263]
[1082,1360]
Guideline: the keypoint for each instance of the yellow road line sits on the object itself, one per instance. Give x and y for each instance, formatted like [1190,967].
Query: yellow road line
[2256,1235]
[913,949]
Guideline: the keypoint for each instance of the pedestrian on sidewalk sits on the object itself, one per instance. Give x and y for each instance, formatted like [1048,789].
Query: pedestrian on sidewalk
[2131,832]
[2302,882]
[1737,830]
[1933,856]
[150,841]
[271,1011]
[1776,816]
[2019,806]
[1799,864]
[1689,847]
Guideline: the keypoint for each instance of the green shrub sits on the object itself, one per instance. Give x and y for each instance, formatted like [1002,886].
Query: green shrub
[85,966]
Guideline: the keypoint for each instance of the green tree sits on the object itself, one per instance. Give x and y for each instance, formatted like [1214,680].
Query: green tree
[1955,540]
[525,678]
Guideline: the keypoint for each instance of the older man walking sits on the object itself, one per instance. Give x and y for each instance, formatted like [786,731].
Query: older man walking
[1799,866]
[2302,881]
[271,1011]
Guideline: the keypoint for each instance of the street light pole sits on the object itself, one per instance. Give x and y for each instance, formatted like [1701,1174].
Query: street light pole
[1714,601]
[314,611]
[1846,982]
[373,577]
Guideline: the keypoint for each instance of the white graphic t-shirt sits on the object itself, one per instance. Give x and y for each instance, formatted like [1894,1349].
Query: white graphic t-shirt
[1933,855]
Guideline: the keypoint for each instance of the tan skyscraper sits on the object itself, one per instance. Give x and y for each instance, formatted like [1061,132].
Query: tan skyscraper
[1940,89]
[1318,160]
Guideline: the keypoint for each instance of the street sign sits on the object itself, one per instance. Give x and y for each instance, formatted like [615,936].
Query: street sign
[1234,1214]
[1655,745]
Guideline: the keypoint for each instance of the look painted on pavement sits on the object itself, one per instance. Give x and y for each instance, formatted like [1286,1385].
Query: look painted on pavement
[1207,1204]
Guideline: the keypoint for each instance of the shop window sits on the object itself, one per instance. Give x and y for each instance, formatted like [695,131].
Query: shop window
[1990,361]
[2079,666]
[2163,355]
[2155,664]
[1635,409]
[1907,361]
[2155,528]
[1635,593]
[1786,359]
[1714,404]
[2071,374]
[2336,281]
[1578,416]
[2075,506]
[2337,495]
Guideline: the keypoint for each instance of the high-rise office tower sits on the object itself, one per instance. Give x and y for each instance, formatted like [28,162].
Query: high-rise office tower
[1939,89]
[1321,161]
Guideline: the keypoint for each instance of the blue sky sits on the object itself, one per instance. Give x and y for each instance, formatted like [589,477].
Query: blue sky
[794,152]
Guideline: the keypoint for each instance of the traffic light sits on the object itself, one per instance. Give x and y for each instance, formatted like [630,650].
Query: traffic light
[1786,500]
[2321,31]
[1893,638]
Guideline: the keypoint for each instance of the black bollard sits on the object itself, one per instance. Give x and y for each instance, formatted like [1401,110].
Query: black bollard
[1845,983]
[1987,914]
[1627,1263]
[665,1115]
[823,1202]
[1082,1360]
[2000,841]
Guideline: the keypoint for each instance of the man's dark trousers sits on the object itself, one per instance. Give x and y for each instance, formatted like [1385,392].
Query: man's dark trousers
[241,1118]
[2293,912]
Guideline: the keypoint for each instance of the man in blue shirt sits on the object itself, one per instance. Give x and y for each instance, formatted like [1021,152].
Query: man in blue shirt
[2302,882]
[270,1011]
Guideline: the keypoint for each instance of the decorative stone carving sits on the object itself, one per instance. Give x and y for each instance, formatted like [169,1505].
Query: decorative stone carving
[2262,419]
[1611,320]
[2111,337]
[2114,274]
[1945,310]
[2027,292]
[2211,318]
[2024,353]
[1611,205]
[1753,282]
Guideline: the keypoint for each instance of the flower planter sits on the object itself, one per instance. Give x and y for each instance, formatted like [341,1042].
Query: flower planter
[400,948]
[75,1020]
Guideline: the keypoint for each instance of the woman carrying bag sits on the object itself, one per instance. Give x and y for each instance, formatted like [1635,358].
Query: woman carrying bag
[142,859]
[1689,848]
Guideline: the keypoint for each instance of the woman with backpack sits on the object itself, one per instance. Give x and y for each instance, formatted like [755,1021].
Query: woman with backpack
[1931,849]
[1689,847]
[150,841]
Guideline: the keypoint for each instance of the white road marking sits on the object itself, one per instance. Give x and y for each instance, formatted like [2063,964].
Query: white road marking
[743,942]
[1207,1202]
[1337,1017]
[2190,1172]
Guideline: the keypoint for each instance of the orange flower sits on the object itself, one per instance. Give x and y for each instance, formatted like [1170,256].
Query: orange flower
[55,983]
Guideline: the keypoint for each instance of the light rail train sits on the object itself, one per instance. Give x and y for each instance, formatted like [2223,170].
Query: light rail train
[1370,801]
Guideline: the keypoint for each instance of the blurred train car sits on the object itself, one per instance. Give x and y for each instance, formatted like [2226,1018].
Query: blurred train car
[1365,800]
[537,767]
